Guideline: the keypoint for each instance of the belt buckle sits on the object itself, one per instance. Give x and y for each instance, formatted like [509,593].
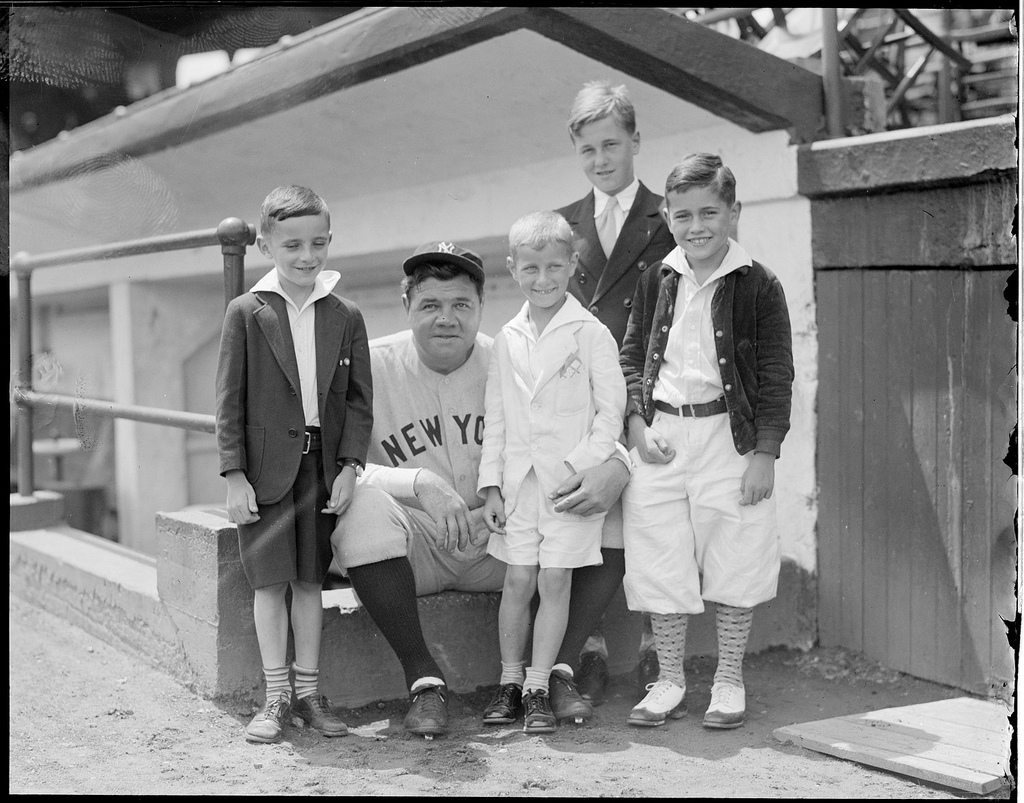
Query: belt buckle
[308,443]
[690,407]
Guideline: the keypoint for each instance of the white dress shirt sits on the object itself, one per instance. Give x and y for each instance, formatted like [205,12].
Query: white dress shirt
[303,326]
[623,201]
[689,372]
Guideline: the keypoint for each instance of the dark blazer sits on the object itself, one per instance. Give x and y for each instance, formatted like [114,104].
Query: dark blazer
[260,421]
[605,285]
[753,342]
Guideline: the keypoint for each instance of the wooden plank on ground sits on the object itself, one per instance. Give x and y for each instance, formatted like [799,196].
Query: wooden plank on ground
[962,743]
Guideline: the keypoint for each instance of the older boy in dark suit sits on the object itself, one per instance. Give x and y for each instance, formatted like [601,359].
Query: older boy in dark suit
[620,233]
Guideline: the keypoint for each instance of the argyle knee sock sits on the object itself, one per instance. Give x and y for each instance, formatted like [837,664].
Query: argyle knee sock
[670,639]
[733,629]
[512,673]
[305,681]
[277,682]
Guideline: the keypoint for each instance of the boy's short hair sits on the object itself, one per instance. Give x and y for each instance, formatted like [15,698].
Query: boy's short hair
[291,201]
[597,100]
[443,272]
[538,229]
[702,170]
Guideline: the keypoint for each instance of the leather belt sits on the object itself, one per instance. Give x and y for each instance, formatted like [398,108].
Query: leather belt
[313,441]
[715,407]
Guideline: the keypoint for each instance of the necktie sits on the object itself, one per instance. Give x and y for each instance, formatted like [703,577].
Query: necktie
[607,228]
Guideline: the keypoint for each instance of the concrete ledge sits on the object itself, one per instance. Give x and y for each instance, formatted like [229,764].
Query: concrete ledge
[98,586]
[42,509]
[189,611]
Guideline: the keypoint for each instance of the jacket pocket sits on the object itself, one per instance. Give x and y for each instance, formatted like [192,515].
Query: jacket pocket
[572,394]
[255,441]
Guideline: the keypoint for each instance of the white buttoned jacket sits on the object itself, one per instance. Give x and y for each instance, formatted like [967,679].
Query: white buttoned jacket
[562,415]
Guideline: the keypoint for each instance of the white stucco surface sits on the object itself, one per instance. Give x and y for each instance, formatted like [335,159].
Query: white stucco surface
[456,149]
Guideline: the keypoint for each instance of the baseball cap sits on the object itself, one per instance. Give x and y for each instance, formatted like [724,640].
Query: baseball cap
[441,251]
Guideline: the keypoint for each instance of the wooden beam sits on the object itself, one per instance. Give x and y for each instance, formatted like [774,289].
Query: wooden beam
[729,78]
[355,49]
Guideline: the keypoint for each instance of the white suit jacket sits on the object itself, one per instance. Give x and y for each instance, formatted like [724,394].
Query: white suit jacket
[563,416]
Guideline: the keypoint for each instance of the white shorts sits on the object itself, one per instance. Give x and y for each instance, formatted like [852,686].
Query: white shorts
[535,536]
[683,519]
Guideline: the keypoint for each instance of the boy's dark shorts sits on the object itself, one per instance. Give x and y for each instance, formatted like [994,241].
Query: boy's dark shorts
[292,539]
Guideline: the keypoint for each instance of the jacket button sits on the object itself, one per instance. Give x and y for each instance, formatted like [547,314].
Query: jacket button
[293,433]
[627,302]
[641,265]
[721,360]
[718,333]
[655,356]
[581,278]
[593,309]
[664,328]
[728,387]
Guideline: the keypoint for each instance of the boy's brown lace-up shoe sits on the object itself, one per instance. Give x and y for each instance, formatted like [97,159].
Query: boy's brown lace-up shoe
[315,711]
[537,713]
[592,678]
[267,726]
[428,714]
[566,702]
[504,706]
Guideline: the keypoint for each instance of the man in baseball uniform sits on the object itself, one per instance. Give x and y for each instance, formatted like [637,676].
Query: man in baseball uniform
[415,525]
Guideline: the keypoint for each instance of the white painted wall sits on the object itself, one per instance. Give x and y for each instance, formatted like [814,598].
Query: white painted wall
[774,227]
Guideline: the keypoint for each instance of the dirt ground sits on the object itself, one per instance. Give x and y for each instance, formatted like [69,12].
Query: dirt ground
[88,719]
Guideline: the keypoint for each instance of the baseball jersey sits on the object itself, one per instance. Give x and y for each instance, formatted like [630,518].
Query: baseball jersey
[423,419]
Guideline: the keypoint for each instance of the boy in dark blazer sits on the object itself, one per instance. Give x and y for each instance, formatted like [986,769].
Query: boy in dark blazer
[294,411]
[620,234]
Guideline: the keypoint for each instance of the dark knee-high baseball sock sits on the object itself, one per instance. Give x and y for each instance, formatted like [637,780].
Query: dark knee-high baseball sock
[388,592]
[592,589]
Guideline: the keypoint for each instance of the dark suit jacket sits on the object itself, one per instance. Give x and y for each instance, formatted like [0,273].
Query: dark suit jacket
[605,285]
[260,421]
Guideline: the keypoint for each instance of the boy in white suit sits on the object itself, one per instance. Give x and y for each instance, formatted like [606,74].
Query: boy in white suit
[554,405]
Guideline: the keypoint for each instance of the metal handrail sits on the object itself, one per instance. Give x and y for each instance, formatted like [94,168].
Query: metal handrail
[233,235]
[195,422]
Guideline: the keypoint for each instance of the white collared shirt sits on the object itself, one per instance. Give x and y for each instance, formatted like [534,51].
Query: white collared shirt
[303,326]
[689,373]
[623,200]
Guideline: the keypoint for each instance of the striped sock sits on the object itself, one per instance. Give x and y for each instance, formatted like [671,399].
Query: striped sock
[536,679]
[305,681]
[512,673]
[277,683]
[733,629]
[670,641]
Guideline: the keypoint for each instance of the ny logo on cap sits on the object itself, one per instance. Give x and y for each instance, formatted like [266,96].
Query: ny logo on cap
[446,248]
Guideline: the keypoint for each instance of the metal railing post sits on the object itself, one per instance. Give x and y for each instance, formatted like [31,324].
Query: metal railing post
[234,235]
[831,72]
[26,462]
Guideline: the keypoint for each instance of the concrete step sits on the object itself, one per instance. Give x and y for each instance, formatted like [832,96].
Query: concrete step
[189,611]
